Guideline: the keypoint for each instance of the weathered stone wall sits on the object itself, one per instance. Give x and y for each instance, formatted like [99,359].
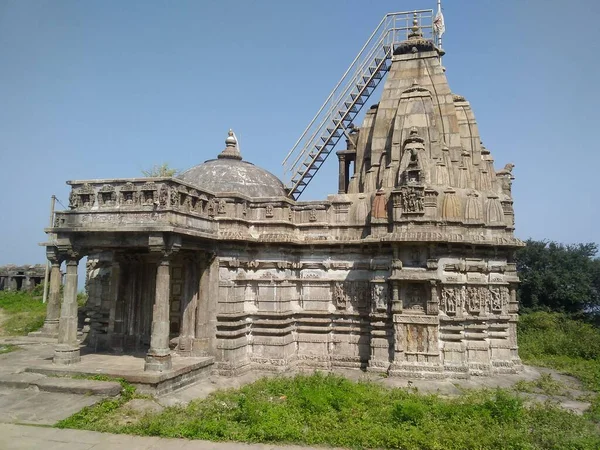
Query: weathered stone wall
[21,278]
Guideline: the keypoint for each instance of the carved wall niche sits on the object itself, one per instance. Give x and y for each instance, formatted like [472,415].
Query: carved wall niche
[201,204]
[107,196]
[149,194]
[414,298]
[128,195]
[86,196]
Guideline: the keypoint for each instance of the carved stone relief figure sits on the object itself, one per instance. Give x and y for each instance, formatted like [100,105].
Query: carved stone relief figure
[340,298]
[475,299]
[149,194]
[107,195]
[414,145]
[269,210]
[128,195]
[73,199]
[495,299]
[412,200]
[211,208]
[87,196]
[379,296]
[312,216]
[449,300]
[222,207]
[174,198]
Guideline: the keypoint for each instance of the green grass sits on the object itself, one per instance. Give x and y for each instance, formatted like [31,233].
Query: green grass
[570,346]
[331,410]
[7,348]
[23,311]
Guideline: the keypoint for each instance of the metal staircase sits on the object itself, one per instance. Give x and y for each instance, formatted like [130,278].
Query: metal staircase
[348,97]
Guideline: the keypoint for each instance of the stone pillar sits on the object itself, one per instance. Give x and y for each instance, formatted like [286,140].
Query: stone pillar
[188,305]
[115,316]
[159,355]
[342,174]
[67,350]
[50,327]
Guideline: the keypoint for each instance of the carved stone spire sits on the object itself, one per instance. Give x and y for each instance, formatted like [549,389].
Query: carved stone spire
[231,150]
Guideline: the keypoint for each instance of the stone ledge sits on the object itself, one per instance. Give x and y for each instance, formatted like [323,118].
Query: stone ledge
[63,385]
[186,370]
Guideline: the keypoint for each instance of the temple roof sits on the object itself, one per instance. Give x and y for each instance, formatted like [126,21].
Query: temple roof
[230,173]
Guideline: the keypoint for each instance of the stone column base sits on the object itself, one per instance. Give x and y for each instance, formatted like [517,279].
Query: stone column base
[49,330]
[65,355]
[156,362]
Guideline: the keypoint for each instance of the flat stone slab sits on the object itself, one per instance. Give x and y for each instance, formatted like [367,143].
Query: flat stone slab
[131,369]
[40,408]
[54,384]
[17,437]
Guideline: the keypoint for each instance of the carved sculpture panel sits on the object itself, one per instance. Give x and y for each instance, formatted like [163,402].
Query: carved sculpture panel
[474,299]
[412,199]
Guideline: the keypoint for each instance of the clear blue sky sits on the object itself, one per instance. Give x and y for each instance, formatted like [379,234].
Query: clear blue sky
[103,89]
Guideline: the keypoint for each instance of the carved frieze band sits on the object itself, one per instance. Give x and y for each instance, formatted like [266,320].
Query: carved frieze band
[474,299]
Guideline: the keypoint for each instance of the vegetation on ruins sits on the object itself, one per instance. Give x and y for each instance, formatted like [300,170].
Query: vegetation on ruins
[160,170]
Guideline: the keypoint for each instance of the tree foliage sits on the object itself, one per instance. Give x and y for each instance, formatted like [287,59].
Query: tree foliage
[160,170]
[558,277]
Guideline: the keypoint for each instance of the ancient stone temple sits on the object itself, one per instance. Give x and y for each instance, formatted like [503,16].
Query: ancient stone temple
[408,269]
[21,278]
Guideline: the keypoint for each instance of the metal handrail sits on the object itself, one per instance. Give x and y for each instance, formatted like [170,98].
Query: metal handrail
[335,109]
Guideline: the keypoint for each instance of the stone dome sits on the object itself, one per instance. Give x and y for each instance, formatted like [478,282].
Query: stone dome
[229,173]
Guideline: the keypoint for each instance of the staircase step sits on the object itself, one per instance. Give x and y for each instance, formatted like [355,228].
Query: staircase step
[60,384]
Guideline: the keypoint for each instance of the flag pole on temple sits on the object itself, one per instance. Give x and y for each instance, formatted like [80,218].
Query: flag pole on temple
[438,24]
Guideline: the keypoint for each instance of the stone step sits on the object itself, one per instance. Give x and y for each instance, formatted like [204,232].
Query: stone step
[59,384]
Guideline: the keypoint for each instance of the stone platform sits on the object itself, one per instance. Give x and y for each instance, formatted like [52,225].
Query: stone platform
[185,370]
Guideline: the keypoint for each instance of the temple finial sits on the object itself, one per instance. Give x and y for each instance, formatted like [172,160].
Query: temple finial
[231,147]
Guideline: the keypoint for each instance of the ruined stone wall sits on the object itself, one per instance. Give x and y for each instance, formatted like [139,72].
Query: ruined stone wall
[21,278]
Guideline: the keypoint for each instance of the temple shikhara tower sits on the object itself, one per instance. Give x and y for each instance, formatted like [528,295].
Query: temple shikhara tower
[408,269]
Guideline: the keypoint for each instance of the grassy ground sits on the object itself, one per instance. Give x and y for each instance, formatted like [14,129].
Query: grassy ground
[569,346]
[330,410]
[21,313]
